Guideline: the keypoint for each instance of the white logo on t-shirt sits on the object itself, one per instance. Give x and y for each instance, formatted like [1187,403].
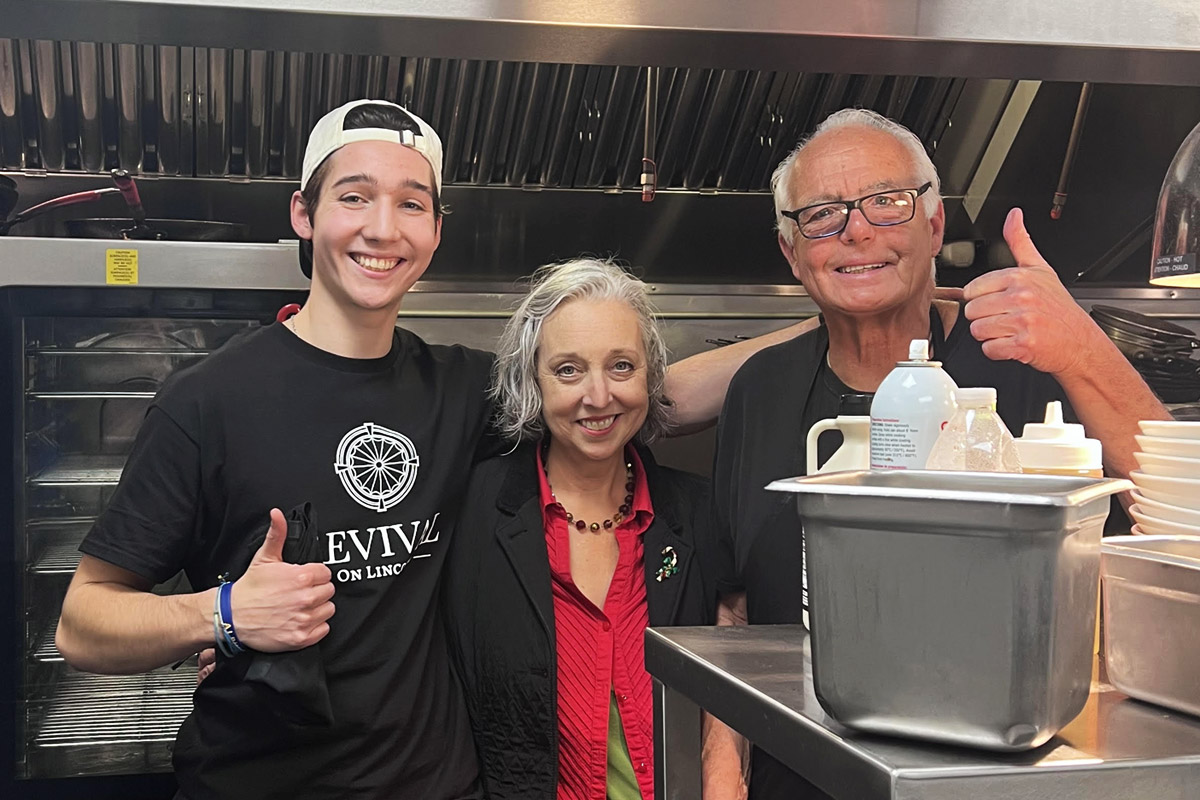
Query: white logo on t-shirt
[378,466]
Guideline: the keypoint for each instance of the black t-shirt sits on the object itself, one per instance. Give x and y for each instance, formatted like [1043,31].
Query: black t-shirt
[773,400]
[382,449]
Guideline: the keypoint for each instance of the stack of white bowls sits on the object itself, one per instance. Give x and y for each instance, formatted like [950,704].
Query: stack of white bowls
[1167,497]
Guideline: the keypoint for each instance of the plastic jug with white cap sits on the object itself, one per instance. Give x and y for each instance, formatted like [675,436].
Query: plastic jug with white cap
[1054,447]
[854,423]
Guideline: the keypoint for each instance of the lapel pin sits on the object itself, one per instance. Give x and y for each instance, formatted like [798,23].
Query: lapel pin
[670,564]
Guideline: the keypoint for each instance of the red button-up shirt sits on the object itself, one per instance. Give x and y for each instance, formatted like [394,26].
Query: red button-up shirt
[601,651]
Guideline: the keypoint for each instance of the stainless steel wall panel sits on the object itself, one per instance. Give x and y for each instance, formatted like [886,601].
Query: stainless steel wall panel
[89,81]
[47,81]
[899,96]
[11,151]
[255,109]
[745,140]
[128,82]
[203,101]
[496,122]
[31,157]
[619,101]
[596,92]
[274,114]
[69,106]
[567,115]
[295,132]
[717,120]
[170,134]
[217,140]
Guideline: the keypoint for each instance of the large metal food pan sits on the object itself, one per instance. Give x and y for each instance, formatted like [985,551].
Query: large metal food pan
[1152,617]
[956,607]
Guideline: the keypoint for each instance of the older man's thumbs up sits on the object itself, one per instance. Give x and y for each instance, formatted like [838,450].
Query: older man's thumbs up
[1024,313]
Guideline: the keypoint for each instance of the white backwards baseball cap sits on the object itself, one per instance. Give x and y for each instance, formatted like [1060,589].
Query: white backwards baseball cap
[329,134]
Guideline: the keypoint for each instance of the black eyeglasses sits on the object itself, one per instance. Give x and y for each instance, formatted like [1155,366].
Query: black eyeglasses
[893,207]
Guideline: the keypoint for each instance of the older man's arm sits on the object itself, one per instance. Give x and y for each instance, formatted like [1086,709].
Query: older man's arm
[1026,314]
[726,753]
[696,385]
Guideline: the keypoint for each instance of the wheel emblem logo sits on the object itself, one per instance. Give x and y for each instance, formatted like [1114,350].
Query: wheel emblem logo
[378,466]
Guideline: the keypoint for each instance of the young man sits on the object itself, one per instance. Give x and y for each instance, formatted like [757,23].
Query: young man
[340,409]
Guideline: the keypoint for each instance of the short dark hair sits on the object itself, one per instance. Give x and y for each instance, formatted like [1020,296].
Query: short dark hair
[365,116]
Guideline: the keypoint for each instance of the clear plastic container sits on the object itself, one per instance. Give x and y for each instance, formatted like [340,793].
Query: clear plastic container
[975,439]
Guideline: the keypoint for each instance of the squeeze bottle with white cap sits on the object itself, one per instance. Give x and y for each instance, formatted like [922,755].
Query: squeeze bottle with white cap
[912,404]
[1055,447]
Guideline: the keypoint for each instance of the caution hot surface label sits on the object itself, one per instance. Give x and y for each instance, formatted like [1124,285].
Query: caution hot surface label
[121,267]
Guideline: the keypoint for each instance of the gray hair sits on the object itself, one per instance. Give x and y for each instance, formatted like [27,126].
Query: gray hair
[846,118]
[515,390]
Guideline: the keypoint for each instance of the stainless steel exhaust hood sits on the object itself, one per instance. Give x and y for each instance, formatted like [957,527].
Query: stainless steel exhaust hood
[544,95]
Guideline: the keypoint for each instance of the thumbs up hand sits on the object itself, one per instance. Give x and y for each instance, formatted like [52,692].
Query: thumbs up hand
[279,606]
[1025,314]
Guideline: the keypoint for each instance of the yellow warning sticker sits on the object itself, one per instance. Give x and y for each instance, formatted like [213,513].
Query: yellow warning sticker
[120,267]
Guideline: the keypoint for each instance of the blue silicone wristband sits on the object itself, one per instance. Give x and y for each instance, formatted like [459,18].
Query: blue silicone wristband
[225,596]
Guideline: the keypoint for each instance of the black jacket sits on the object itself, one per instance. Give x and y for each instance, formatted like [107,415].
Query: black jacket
[500,610]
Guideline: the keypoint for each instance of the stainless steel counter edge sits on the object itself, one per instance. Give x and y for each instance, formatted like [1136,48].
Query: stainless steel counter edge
[803,745]
[1127,750]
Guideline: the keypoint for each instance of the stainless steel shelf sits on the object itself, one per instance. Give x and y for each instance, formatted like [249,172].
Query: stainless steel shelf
[91,710]
[101,395]
[58,558]
[81,470]
[97,724]
[46,650]
[110,351]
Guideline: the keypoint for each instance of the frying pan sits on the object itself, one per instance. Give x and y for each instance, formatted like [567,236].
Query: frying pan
[8,196]
[185,230]
[1159,330]
[137,226]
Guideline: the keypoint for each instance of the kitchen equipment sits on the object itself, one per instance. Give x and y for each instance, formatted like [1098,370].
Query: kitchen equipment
[187,230]
[1153,328]
[951,606]
[136,227]
[1177,219]
[1151,613]
[8,196]
[57,202]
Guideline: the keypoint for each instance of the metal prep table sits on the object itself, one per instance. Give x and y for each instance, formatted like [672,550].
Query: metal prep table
[758,680]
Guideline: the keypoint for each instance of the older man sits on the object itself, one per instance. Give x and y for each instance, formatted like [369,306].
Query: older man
[860,221]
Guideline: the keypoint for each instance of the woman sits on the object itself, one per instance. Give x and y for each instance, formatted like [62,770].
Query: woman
[571,544]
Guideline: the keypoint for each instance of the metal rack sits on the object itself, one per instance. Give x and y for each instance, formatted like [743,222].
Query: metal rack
[77,423]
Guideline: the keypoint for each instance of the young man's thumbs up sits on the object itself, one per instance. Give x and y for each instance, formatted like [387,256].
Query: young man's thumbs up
[279,606]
